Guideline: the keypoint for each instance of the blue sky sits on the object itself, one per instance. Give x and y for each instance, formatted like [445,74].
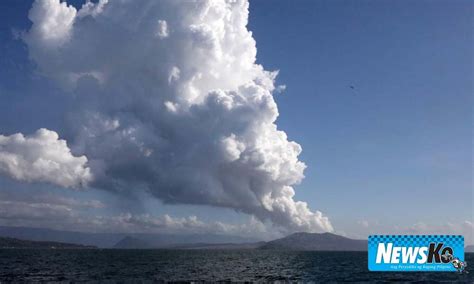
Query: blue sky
[400,144]
[393,151]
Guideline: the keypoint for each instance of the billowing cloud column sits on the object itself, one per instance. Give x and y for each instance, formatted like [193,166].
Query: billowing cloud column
[171,101]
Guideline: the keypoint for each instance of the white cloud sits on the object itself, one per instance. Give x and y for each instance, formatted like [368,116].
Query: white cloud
[146,223]
[69,215]
[465,228]
[42,157]
[19,210]
[195,115]
[53,22]
[162,30]
[92,9]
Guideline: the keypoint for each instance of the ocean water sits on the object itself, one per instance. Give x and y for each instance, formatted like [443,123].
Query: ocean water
[201,265]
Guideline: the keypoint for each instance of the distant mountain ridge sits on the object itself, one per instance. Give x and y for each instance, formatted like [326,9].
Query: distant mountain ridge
[103,240]
[12,243]
[316,242]
[137,243]
[220,246]
[109,240]
[296,241]
[132,243]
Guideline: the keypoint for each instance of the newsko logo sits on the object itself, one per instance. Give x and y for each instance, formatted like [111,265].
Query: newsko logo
[416,253]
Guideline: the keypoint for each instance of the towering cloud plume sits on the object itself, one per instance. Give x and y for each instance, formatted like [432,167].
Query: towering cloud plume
[170,100]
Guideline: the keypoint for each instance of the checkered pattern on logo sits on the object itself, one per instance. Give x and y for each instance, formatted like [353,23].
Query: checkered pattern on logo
[453,241]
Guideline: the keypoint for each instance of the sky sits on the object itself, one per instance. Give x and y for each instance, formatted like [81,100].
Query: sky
[393,154]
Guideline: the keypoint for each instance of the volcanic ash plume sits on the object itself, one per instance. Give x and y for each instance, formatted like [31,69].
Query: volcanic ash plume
[169,100]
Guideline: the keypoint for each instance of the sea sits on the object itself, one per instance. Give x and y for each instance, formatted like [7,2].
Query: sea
[142,266]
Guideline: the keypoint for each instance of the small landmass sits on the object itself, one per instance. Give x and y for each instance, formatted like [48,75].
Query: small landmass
[12,243]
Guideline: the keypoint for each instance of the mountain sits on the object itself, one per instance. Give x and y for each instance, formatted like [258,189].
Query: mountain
[103,240]
[316,242]
[469,248]
[172,240]
[220,246]
[144,241]
[132,243]
[297,241]
[12,243]
[109,240]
